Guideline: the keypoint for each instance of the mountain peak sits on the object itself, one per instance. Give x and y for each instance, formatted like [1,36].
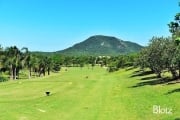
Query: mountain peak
[102,37]
[102,45]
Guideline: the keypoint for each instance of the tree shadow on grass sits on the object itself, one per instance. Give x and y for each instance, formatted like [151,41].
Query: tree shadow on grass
[153,82]
[174,82]
[130,68]
[141,73]
[177,118]
[149,78]
[173,91]
[137,71]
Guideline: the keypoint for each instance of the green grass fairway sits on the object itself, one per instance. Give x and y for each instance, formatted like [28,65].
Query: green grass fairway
[101,96]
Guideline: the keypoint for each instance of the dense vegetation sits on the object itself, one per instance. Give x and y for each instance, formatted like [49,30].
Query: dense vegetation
[13,60]
[163,54]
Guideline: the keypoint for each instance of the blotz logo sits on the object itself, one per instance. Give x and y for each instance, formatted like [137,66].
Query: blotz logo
[157,109]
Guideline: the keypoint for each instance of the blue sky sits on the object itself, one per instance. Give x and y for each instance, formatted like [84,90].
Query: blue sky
[51,25]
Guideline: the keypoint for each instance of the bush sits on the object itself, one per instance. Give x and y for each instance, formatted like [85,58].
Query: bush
[56,67]
[112,69]
[3,79]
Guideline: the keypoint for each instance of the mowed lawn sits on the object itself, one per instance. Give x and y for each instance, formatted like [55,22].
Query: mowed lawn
[86,94]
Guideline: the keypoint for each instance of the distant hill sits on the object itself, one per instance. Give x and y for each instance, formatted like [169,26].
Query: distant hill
[40,53]
[102,45]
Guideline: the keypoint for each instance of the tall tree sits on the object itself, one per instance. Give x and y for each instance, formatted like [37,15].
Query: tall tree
[49,64]
[174,28]
[13,61]
[152,56]
[27,60]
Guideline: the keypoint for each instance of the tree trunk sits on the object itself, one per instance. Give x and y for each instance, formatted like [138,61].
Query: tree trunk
[174,73]
[40,72]
[44,72]
[179,68]
[48,71]
[11,72]
[35,72]
[29,72]
[179,72]
[159,75]
[15,73]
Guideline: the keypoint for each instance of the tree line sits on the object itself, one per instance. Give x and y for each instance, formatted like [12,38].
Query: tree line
[163,54]
[13,60]
[112,63]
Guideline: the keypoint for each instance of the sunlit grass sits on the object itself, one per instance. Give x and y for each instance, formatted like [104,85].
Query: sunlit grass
[74,96]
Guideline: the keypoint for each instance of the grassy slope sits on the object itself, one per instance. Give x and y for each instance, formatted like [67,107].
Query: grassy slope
[101,96]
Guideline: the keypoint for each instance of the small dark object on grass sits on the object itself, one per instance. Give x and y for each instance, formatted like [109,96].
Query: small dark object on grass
[86,77]
[47,93]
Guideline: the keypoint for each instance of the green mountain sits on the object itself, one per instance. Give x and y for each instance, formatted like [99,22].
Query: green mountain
[102,45]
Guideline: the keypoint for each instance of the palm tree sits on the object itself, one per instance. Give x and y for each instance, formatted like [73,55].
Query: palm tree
[42,66]
[48,63]
[27,59]
[13,61]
